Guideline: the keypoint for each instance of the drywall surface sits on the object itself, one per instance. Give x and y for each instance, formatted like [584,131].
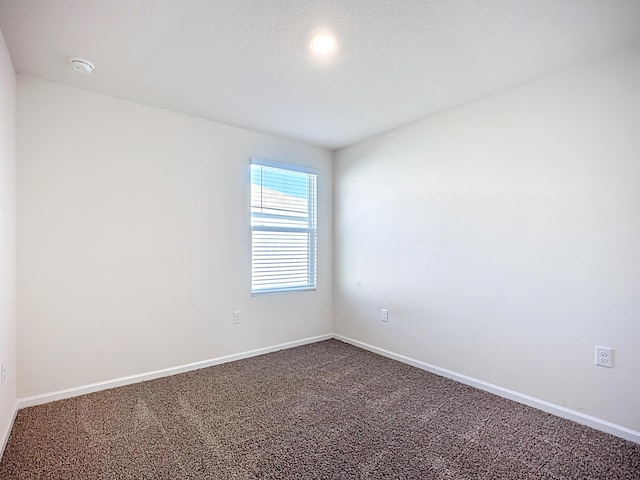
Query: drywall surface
[134,240]
[504,238]
[7,239]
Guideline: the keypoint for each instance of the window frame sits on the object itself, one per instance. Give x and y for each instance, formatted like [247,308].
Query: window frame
[312,229]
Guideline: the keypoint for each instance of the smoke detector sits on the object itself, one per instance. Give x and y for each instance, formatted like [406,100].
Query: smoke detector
[81,65]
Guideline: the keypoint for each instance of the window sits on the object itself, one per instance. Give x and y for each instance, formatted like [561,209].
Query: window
[283,227]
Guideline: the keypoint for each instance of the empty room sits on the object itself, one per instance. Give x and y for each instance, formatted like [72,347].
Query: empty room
[320,239]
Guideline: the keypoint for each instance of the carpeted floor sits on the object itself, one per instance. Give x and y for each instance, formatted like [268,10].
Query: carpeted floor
[321,411]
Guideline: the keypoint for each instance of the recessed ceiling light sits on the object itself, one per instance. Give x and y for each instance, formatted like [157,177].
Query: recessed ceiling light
[323,43]
[81,65]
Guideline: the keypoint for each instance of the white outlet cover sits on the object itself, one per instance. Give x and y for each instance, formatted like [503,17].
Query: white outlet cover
[604,356]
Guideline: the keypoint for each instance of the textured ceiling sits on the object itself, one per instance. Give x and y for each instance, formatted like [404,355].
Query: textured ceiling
[245,62]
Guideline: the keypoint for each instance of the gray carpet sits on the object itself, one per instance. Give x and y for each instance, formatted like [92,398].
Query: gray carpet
[321,411]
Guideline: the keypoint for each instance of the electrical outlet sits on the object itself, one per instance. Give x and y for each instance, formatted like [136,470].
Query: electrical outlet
[384,315]
[236,317]
[3,372]
[604,356]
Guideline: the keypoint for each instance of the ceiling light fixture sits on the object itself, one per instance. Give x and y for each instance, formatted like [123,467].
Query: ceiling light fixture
[323,43]
[81,65]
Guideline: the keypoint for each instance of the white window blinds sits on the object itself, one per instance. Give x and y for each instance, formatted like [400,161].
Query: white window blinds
[283,227]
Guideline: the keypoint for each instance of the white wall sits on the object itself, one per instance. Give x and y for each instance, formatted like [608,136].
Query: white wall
[7,239]
[504,238]
[134,241]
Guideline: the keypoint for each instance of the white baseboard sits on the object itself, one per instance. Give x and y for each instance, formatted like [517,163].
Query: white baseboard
[119,382]
[578,417]
[4,438]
